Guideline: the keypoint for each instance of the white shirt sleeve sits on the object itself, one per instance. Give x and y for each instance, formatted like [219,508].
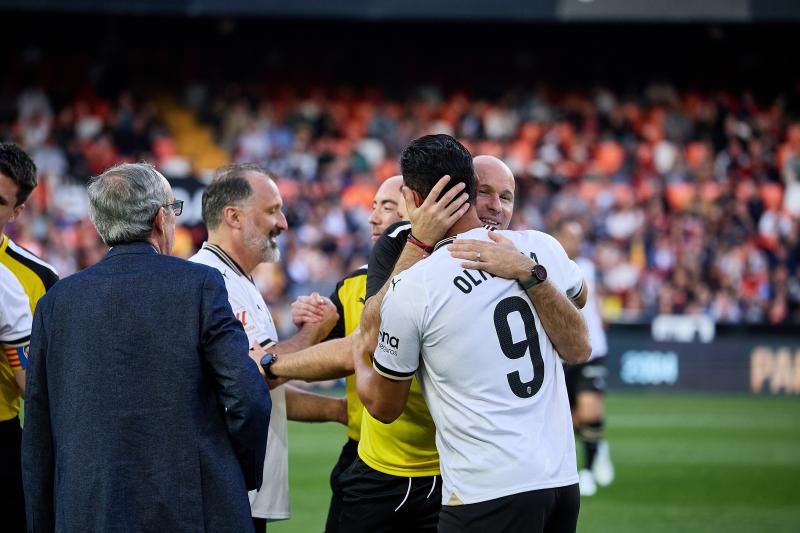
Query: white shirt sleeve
[574,279]
[397,355]
[569,277]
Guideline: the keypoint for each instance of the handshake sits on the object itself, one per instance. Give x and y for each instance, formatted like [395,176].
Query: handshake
[314,316]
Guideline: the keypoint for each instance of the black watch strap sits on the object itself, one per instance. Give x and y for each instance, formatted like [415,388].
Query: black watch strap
[532,282]
[266,364]
[538,275]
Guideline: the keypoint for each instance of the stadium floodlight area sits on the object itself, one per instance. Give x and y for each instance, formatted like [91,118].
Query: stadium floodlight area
[659,11]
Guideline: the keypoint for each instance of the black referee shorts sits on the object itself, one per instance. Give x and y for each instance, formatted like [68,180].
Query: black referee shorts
[346,458]
[374,502]
[12,502]
[537,511]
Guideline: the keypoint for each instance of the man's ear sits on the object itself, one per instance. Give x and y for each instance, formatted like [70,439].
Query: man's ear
[418,199]
[158,222]
[232,216]
[412,198]
[16,212]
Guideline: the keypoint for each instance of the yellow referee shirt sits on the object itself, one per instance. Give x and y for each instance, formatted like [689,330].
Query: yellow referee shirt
[407,446]
[349,300]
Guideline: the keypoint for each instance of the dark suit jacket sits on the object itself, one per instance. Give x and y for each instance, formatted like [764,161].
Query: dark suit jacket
[143,411]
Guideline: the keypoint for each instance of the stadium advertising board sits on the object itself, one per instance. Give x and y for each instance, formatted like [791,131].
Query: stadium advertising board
[691,354]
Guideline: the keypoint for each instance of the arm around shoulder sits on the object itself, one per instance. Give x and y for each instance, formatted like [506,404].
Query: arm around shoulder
[562,321]
[559,314]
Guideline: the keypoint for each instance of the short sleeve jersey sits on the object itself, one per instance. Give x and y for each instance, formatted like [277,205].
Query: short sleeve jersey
[36,277]
[272,501]
[489,374]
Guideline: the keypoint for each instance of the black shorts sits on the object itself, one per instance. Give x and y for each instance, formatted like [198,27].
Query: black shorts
[537,511]
[586,377]
[346,458]
[374,502]
[12,502]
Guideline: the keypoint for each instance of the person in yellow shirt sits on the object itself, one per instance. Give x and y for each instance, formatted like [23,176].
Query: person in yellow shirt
[349,300]
[17,181]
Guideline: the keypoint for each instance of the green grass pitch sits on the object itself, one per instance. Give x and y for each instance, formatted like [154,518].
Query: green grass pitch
[693,463]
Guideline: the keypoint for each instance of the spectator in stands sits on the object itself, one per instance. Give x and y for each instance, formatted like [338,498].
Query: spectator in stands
[633,169]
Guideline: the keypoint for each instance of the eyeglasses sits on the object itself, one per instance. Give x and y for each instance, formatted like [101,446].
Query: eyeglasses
[176,207]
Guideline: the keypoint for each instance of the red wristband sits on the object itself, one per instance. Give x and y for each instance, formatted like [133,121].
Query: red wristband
[416,242]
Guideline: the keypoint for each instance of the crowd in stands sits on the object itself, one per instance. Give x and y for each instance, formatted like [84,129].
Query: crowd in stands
[690,200]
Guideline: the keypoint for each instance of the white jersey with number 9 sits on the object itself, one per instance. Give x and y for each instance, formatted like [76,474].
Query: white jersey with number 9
[490,375]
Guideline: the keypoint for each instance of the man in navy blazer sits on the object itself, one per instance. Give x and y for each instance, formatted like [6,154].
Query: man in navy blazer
[143,410]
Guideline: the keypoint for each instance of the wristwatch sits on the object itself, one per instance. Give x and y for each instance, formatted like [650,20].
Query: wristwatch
[266,363]
[538,275]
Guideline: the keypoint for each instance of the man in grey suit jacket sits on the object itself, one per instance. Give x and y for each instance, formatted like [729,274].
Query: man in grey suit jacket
[143,410]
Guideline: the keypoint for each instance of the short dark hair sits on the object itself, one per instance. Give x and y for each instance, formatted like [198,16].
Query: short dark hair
[229,187]
[19,167]
[428,158]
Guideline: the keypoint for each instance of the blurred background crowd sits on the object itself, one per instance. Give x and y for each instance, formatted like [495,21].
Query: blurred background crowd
[689,196]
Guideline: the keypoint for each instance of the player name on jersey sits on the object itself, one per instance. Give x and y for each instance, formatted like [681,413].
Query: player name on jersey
[471,278]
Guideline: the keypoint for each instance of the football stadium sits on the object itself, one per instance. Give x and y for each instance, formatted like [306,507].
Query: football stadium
[658,143]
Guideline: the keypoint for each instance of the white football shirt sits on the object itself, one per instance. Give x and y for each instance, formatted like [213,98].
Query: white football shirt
[591,311]
[272,501]
[15,316]
[490,375]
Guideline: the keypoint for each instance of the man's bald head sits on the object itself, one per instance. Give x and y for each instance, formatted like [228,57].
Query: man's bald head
[388,206]
[490,163]
[495,203]
[391,186]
